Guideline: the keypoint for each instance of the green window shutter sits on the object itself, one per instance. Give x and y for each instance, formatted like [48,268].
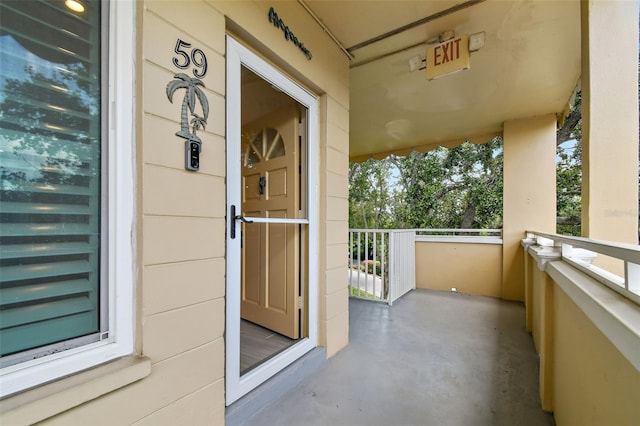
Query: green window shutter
[50,174]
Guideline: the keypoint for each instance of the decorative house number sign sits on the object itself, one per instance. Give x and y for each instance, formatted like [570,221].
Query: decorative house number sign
[190,121]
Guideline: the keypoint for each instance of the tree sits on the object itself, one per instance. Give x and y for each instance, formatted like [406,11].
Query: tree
[569,171]
[57,144]
[444,188]
[370,194]
[452,188]
[420,182]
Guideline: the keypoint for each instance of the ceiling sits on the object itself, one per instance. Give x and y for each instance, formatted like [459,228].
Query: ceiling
[529,66]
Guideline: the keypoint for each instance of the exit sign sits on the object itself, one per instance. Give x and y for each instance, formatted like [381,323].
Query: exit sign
[448,57]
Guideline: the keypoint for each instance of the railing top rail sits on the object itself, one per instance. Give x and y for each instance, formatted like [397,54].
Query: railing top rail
[460,230]
[431,230]
[624,251]
[371,230]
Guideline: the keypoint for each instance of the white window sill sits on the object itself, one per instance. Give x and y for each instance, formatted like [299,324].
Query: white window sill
[45,401]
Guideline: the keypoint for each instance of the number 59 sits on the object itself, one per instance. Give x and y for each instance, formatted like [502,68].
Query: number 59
[197,57]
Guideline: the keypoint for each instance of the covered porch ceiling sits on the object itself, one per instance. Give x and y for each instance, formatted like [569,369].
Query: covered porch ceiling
[529,66]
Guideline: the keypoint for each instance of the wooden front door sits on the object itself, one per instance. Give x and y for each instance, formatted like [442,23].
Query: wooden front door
[271,245]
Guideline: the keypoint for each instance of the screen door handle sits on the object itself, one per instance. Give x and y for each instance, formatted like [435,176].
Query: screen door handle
[242,219]
[235,217]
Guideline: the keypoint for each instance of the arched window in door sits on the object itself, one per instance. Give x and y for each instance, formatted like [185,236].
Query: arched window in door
[266,145]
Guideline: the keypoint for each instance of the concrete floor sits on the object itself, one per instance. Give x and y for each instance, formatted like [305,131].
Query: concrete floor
[432,358]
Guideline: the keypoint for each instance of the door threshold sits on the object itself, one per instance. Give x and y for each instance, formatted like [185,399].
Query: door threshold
[274,388]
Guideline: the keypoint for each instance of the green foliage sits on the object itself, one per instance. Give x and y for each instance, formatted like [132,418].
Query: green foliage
[371,267]
[370,195]
[568,187]
[452,188]
[44,153]
[363,293]
[569,172]
[444,188]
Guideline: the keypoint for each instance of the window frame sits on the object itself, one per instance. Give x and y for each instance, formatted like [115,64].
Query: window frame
[118,199]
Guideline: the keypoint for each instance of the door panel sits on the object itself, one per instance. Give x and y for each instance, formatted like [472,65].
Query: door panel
[278,270]
[251,188]
[276,184]
[270,266]
[250,255]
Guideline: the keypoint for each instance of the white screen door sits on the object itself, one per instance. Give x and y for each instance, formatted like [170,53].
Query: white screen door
[272,150]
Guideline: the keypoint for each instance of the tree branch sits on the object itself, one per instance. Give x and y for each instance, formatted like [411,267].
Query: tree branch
[570,220]
[575,192]
[565,132]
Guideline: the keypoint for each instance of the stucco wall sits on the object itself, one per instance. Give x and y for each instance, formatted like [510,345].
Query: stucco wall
[529,192]
[470,268]
[181,215]
[584,377]
[593,383]
[334,229]
[609,137]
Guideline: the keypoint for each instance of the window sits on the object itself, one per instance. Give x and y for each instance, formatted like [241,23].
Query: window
[265,145]
[60,166]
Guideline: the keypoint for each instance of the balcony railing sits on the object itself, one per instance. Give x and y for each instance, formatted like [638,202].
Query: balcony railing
[382,265]
[580,253]
[382,262]
[490,236]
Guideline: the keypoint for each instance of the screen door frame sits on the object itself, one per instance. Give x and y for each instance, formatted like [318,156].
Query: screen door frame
[238,56]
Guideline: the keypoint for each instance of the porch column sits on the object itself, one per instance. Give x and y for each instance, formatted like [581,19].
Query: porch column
[610,120]
[529,192]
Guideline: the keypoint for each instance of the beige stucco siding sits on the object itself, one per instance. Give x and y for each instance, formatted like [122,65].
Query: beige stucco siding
[585,378]
[593,383]
[182,212]
[609,136]
[334,321]
[169,383]
[529,195]
[470,268]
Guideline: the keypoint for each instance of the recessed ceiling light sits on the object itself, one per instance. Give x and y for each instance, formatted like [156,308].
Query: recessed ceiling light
[74,5]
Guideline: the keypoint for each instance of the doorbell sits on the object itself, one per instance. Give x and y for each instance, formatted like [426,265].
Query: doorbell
[192,155]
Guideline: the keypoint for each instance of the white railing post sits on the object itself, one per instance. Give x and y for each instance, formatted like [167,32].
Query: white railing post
[373,264]
[366,262]
[359,263]
[384,266]
[632,277]
[402,268]
[350,263]
[392,267]
[368,282]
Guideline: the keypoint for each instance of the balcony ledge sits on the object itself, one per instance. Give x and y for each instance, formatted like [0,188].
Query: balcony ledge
[617,317]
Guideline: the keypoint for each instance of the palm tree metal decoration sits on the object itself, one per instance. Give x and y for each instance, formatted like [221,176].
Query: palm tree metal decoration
[193,143]
[193,92]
